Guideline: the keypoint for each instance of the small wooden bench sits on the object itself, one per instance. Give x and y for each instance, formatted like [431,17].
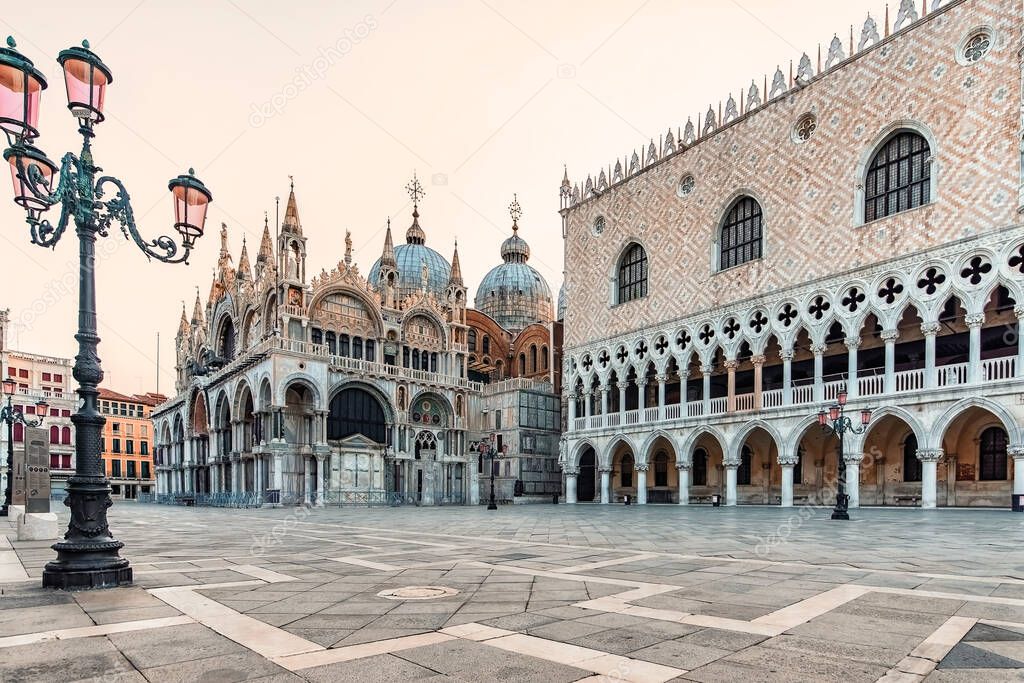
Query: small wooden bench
[796,499]
[700,499]
[913,500]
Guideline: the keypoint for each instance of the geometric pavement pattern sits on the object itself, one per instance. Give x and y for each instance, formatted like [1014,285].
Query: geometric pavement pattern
[536,593]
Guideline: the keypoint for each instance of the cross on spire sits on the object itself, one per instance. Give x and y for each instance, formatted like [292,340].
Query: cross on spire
[515,211]
[415,190]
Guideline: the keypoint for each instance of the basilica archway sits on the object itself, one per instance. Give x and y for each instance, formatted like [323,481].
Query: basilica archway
[586,487]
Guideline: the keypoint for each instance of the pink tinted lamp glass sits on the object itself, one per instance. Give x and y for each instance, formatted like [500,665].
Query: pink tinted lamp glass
[22,194]
[13,104]
[87,88]
[189,211]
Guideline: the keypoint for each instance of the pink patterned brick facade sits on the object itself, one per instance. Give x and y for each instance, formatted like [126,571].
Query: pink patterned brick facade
[809,190]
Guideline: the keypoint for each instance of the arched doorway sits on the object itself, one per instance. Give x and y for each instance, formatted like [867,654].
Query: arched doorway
[977,472]
[759,476]
[358,433]
[585,486]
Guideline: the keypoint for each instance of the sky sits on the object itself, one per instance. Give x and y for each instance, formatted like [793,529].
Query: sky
[482,99]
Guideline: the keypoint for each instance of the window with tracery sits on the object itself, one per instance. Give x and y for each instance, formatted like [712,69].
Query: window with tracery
[741,233]
[633,274]
[899,177]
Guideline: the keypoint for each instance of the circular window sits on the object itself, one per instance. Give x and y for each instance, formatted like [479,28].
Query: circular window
[686,185]
[977,46]
[599,225]
[805,127]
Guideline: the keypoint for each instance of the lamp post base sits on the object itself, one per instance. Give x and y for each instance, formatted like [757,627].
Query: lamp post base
[492,505]
[842,506]
[840,514]
[94,568]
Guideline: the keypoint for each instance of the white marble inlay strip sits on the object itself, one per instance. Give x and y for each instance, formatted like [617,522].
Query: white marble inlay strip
[812,607]
[322,657]
[606,563]
[261,573]
[258,636]
[392,539]
[324,539]
[88,631]
[11,569]
[369,564]
[614,666]
[926,656]
[991,599]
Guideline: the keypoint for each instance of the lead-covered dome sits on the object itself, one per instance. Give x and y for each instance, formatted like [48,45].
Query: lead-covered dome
[514,294]
[413,261]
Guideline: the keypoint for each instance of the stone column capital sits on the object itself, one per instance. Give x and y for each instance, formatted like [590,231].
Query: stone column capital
[853,458]
[1015,452]
[757,360]
[790,461]
[641,467]
[571,471]
[641,382]
[930,329]
[731,364]
[1018,311]
[604,470]
[974,320]
[929,454]
[889,336]
[662,379]
[731,464]
[787,354]
[852,342]
[819,349]
[682,465]
[707,369]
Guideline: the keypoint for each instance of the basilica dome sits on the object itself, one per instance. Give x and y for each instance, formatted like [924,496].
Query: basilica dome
[414,259]
[514,294]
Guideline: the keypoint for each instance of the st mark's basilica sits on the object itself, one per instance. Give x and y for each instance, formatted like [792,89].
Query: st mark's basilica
[345,388]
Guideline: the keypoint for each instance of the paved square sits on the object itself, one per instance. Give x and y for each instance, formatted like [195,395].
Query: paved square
[534,593]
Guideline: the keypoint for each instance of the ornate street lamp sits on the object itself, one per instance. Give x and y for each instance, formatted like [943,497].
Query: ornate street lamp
[488,451]
[11,415]
[88,556]
[836,422]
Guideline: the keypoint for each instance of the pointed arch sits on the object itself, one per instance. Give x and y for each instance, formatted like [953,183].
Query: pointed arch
[644,454]
[943,422]
[685,453]
[737,442]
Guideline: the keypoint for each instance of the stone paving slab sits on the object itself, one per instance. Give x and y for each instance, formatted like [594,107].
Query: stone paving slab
[546,594]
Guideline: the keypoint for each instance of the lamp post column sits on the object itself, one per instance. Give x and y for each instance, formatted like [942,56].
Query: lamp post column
[88,557]
[9,486]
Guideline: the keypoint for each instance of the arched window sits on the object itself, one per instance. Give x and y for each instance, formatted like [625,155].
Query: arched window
[798,470]
[741,233]
[627,470]
[65,436]
[661,469]
[357,347]
[522,364]
[343,346]
[544,357]
[743,471]
[700,467]
[472,339]
[632,274]
[54,434]
[992,455]
[533,358]
[487,345]
[911,465]
[899,176]
[371,350]
[332,343]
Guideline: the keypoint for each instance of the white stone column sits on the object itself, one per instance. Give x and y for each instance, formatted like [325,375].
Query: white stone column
[1019,368]
[889,337]
[819,385]
[662,379]
[572,411]
[930,330]
[758,363]
[641,483]
[307,480]
[974,323]
[606,480]
[622,384]
[730,400]
[730,483]
[604,399]
[335,476]
[237,474]
[929,458]
[1017,454]
[706,371]
[787,377]
[279,472]
[587,404]
[852,462]
[641,390]
[571,473]
[320,480]
[786,499]
[852,386]
[683,468]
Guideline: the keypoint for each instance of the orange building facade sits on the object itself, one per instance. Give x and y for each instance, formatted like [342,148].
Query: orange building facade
[128,442]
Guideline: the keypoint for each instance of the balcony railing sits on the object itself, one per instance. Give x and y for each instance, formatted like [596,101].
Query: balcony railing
[904,381]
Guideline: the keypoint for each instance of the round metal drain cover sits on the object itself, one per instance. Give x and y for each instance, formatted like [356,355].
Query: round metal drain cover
[417,593]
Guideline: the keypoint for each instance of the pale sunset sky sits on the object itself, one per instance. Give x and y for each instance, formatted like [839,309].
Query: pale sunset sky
[482,98]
